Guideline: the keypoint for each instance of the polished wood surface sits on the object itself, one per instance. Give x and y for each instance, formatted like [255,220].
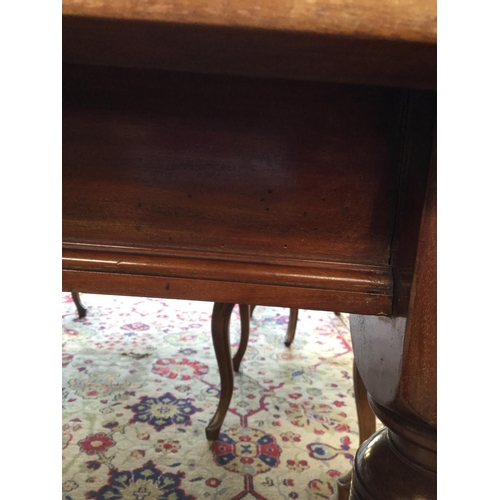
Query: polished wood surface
[166,286]
[410,20]
[416,156]
[267,154]
[418,388]
[156,183]
[397,359]
[168,167]
[384,42]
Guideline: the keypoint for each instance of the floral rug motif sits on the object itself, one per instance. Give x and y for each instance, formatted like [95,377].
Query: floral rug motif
[140,384]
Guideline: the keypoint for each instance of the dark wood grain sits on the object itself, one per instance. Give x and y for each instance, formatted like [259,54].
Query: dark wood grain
[418,388]
[249,51]
[416,156]
[293,190]
[215,290]
[383,42]
[397,359]
[156,170]
[162,160]
[223,266]
[410,20]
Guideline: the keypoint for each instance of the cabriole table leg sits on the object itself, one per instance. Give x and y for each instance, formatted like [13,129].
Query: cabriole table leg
[221,317]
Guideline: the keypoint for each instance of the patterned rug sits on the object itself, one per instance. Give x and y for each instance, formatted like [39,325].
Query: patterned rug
[140,384]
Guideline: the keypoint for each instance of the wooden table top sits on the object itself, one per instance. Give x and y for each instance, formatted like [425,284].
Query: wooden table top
[381,42]
[180,160]
[409,20]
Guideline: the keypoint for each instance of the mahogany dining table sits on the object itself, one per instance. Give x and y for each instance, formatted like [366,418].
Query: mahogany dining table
[267,152]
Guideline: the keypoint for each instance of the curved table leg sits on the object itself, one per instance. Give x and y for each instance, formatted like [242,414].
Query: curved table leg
[246,312]
[220,336]
[366,423]
[82,311]
[245,333]
[292,326]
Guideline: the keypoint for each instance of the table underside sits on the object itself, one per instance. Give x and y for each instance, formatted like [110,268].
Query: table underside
[230,189]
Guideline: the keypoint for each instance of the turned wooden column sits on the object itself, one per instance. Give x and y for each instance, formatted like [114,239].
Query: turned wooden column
[397,361]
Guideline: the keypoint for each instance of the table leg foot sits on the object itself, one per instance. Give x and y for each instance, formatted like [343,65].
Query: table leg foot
[292,326]
[212,433]
[220,336]
[82,311]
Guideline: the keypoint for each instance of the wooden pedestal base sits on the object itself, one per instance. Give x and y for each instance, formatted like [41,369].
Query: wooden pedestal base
[396,463]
